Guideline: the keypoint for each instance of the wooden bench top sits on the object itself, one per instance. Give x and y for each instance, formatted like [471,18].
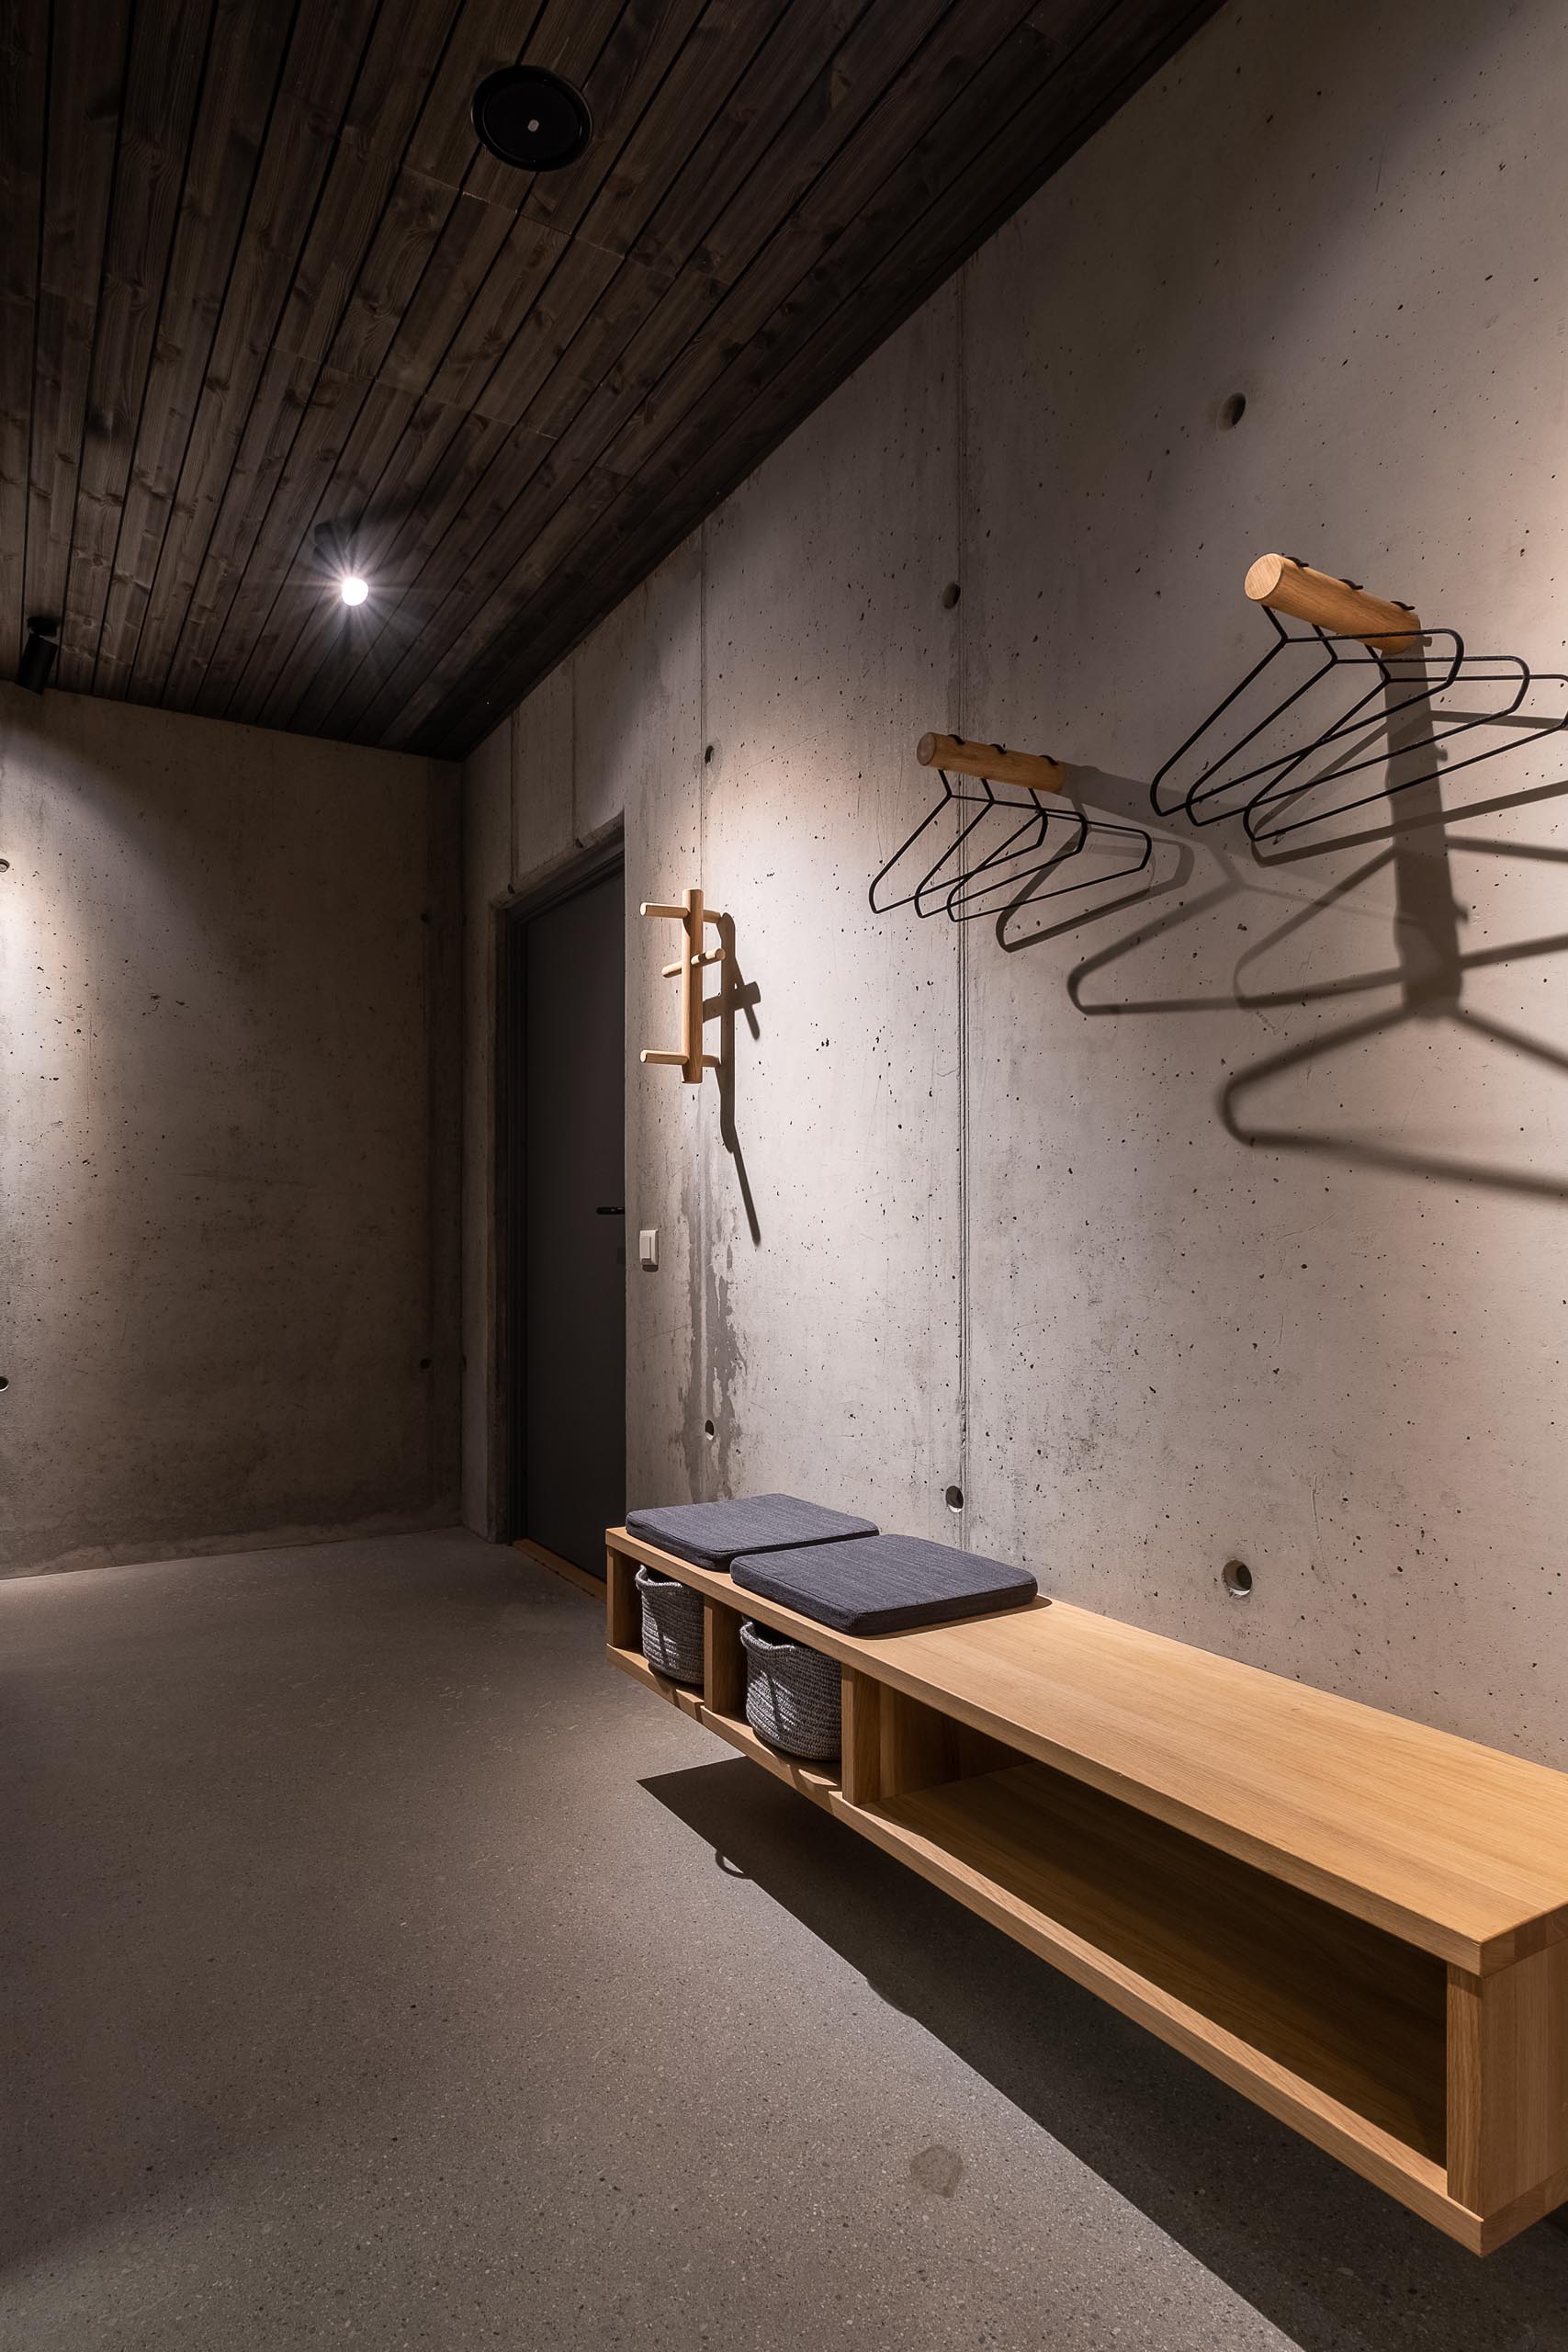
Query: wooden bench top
[1456,1847]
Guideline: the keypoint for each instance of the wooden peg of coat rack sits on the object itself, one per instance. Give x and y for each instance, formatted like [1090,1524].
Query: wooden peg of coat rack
[991,763]
[689,1057]
[1337,606]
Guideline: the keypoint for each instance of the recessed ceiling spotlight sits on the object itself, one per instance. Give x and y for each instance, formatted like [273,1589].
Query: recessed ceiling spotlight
[352,589]
[531,119]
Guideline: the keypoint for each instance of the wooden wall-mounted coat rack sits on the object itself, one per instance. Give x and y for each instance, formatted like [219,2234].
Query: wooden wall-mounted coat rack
[982,867]
[688,967]
[1339,607]
[1344,714]
[1343,710]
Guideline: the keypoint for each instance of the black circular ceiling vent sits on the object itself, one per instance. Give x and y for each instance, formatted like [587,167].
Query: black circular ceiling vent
[531,119]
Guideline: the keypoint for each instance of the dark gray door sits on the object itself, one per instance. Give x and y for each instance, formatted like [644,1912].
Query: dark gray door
[572,1448]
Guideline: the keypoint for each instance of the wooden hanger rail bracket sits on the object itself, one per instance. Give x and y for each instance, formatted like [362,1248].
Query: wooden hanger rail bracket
[687,968]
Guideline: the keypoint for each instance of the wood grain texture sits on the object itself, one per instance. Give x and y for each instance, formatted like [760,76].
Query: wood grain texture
[922,1747]
[1033,770]
[89,55]
[168,66]
[1344,2007]
[1328,2023]
[320,64]
[257,276]
[1507,2069]
[240,88]
[1461,1851]
[860,1714]
[1337,606]
[724,1660]
[24,96]
[623,1606]
[985,142]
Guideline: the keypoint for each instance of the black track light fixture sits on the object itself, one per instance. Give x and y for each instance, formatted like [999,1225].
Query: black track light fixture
[37,654]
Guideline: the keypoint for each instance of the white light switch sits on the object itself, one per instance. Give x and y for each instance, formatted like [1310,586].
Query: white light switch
[648,1248]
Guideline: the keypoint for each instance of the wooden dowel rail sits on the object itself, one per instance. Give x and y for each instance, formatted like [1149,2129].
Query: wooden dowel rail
[1337,606]
[992,763]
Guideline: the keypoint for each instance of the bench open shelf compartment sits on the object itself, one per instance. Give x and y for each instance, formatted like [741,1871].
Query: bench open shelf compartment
[1358,1923]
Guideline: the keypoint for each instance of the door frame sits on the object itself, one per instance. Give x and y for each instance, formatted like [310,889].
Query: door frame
[510,1093]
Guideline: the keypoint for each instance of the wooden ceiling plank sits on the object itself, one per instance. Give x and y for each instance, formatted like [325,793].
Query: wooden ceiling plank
[488,35]
[462,260]
[582,40]
[244,78]
[589,294]
[323,56]
[277,281]
[168,60]
[24,104]
[324,437]
[405,46]
[750,119]
[1025,69]
[323,622]
[621,195]
[658,510]
[619,90]
[628,80]
[433,470]
[631,57]
[381,418]
[471,245]
[522,268]
[749,260]
[983,54]
[367,320]
[840,114]
[269,615]
[87,67]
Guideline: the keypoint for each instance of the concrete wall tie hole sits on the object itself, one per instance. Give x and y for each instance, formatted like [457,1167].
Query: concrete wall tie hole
[1236,1578]
[708,1430]
[1232,411]
[949,595]
[955,1498]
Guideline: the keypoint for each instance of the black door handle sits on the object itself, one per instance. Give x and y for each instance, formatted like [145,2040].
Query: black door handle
[609,1212]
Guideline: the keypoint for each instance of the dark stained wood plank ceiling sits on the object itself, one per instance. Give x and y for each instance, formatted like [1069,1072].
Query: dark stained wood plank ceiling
[258,276]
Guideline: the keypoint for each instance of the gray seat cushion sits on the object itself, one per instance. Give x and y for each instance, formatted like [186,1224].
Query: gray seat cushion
[711,1534]
[884,1584]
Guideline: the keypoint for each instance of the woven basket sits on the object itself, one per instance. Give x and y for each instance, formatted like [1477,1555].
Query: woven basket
[672,1626]
[792,1693]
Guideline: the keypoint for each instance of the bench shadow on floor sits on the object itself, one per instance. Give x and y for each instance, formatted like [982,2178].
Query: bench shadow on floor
[1327,2258]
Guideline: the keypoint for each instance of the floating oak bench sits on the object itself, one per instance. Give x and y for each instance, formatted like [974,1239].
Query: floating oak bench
[1356,1921]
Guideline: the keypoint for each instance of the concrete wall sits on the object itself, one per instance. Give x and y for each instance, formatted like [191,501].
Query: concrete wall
[1227,1219]
[228,1165]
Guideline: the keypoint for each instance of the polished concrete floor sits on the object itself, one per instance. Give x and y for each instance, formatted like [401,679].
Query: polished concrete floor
[379,1967]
